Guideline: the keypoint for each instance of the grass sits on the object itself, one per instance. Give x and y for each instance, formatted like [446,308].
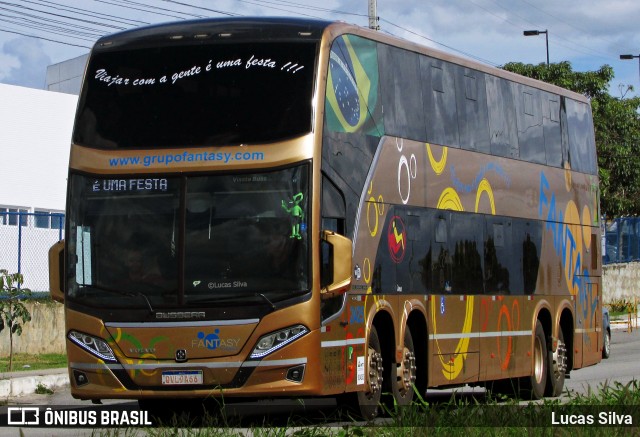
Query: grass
[24,362]
[456,417]
[42,389]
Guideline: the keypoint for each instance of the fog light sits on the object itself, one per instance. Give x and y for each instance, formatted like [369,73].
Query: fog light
[296,374]
[80,378]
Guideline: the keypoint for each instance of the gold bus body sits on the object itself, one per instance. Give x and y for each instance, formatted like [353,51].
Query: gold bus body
[459,338]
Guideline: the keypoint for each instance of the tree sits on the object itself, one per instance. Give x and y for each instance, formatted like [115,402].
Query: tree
[13,313]
[617,130]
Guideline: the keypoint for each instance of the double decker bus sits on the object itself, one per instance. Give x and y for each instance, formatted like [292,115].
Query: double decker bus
[273,207]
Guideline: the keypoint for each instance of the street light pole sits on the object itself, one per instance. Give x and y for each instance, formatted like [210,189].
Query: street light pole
[538,32]
[631,57]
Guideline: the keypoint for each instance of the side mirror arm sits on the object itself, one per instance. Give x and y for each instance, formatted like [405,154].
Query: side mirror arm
[56,271]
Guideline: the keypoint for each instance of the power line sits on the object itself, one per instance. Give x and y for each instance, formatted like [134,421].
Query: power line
[60,15]
[86,12]
[230,14]
[150,9]
[45,39]
[31,24]
[469,55]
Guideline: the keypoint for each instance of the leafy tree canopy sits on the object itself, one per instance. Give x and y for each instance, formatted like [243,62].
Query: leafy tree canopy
[617,129]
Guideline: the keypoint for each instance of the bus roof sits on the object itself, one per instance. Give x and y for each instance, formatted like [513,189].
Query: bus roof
[230,28]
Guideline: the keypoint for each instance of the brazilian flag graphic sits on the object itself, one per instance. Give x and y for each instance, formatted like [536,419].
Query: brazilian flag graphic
[352,99]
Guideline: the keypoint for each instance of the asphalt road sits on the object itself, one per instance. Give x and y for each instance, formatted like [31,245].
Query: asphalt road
[621,368]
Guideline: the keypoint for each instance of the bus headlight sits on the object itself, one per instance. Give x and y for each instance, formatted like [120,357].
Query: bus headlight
[275,340]
[95,345]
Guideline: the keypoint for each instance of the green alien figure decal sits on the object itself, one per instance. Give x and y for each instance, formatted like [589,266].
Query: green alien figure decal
[296,213]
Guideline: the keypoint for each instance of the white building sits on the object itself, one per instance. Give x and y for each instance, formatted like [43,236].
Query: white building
[35,135]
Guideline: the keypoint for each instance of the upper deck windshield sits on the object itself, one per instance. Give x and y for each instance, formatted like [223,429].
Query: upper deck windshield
[209,94]
[181,242]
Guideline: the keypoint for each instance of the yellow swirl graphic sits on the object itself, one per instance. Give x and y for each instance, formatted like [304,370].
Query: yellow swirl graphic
[452,368]
[437,166]
[450,200]
[485,187]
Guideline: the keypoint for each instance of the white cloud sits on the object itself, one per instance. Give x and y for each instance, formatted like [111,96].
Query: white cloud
[27,62]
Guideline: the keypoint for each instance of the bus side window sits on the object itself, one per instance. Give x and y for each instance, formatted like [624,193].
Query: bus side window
[502,117]
[530,125]
[441,257]
[473,119]
[527,240]
[499,264]
[333,219]
[439,94]
[467,244]
[403,106]
[551,126]
[326,264]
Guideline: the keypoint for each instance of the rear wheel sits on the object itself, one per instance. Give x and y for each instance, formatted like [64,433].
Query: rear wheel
[557,368]
[606,347]
[533,386]
[403,375]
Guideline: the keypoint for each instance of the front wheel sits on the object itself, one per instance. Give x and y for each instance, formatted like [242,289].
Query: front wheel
[366,404]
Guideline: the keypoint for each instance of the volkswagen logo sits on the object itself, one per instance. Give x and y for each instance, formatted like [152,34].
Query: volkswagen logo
[181,355]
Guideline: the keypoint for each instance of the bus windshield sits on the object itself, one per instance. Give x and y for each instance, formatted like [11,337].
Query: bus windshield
[229,237]
[196,95]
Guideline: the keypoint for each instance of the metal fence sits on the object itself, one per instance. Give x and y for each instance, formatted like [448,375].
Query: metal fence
[621,242]
[25,239]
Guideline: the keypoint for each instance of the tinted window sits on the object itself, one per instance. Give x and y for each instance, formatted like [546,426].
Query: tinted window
[402,99]
[530,126]
[582,152]
[527,240]
[201,95]
[551,126]
[439,94]
[499,260]
[471,98]
[502,117]
[467,246]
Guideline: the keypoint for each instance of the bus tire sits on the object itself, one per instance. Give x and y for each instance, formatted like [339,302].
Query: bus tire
[369,401]
[557,368]
[533,387]
[606,347]
[403,376]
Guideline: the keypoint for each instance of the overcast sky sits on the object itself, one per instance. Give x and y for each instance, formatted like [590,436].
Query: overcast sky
[587,33]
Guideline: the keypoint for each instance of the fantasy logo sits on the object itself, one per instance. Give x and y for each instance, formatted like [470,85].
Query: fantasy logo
[213,341]
[396,239]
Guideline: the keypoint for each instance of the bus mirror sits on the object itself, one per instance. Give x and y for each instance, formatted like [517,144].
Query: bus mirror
[56,271]
[338,264]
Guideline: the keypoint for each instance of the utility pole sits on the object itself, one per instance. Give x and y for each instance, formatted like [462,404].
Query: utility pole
[373,15]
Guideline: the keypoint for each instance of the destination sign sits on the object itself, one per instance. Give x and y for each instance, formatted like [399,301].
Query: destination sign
[131,185]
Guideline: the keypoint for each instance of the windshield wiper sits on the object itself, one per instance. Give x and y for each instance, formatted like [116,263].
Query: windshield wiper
[273,307]
[124,293]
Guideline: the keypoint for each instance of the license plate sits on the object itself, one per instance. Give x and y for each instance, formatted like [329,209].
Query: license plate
[182,377]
